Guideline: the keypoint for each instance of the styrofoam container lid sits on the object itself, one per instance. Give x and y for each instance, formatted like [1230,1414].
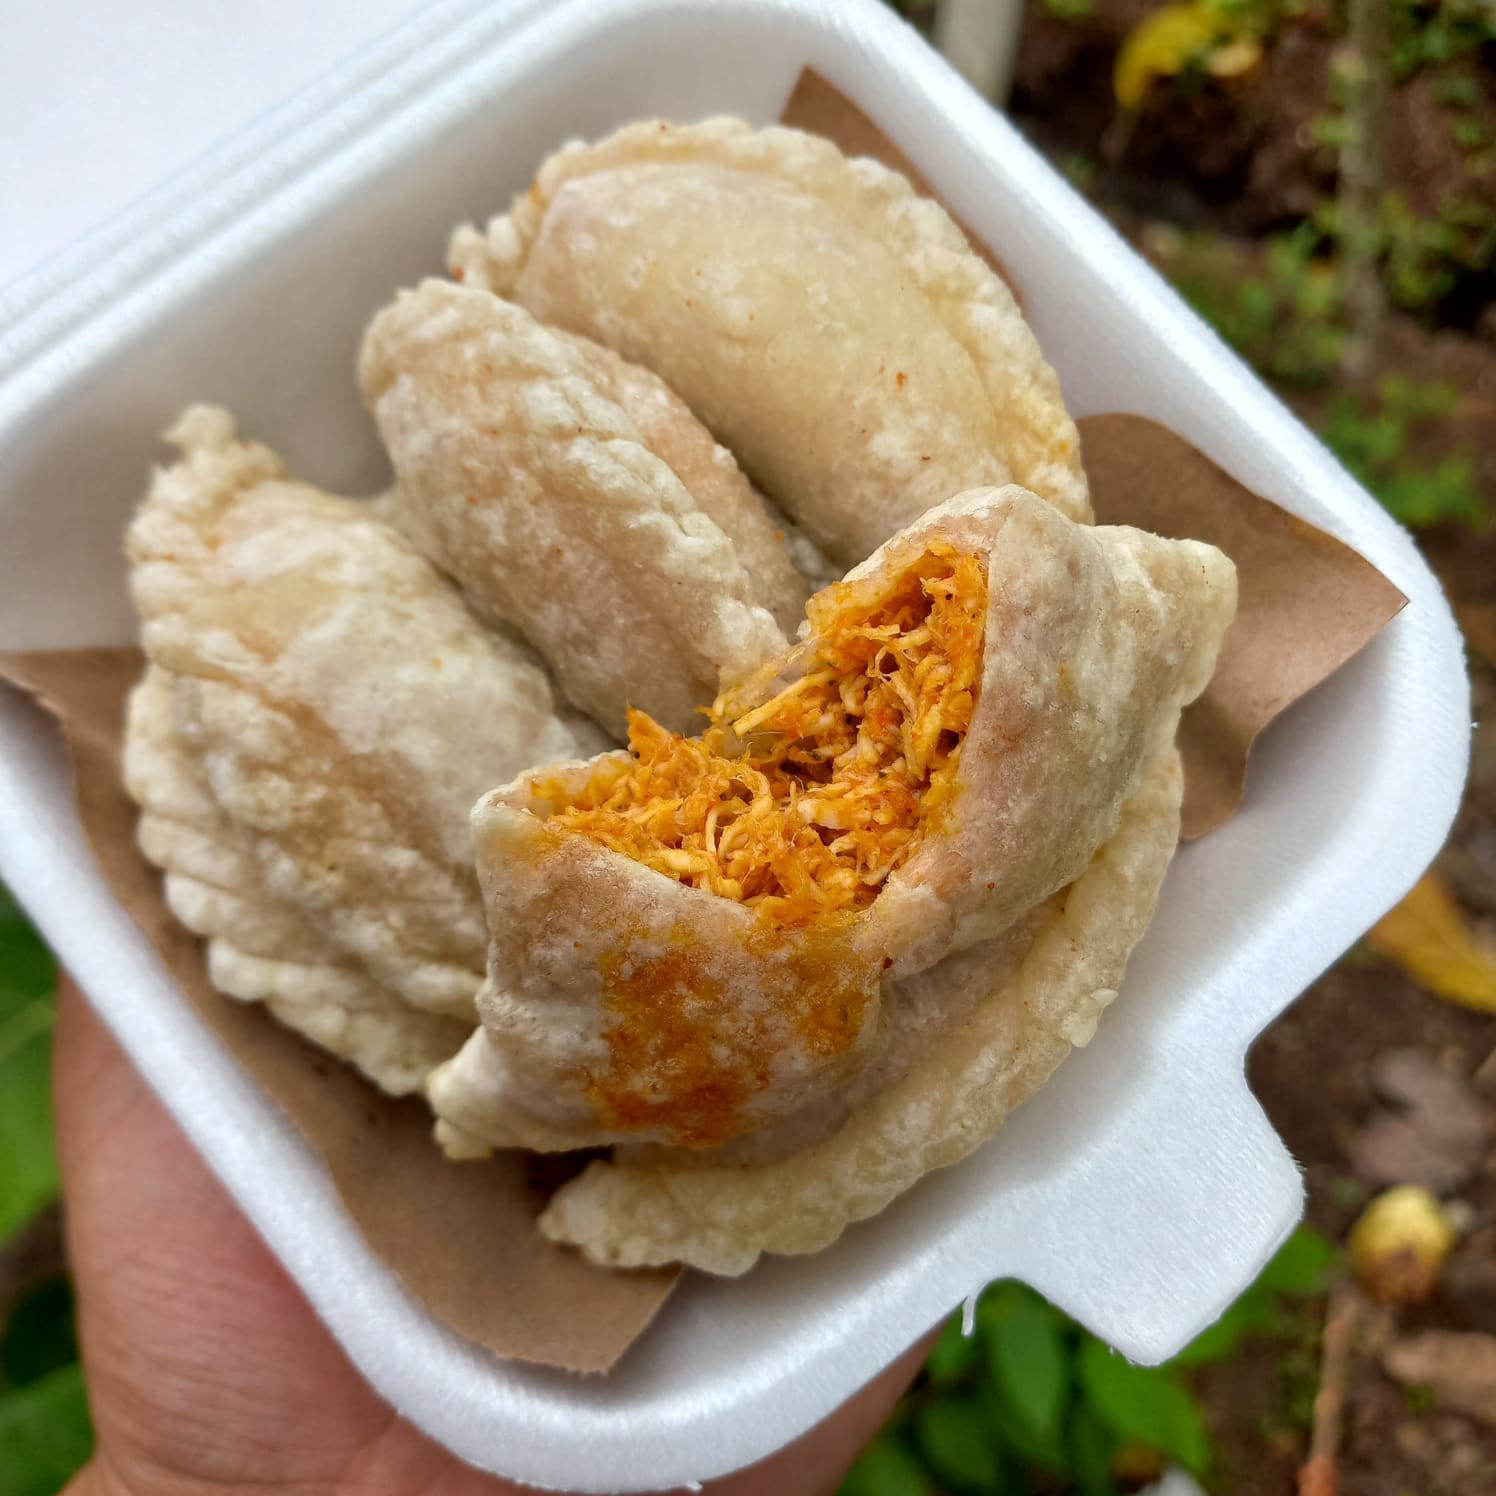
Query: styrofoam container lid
[1143,1187]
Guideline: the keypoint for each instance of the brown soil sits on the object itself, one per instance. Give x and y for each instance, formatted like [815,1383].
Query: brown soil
[1253,1404]
[1237,155]
[1255,153]
[1310,1071]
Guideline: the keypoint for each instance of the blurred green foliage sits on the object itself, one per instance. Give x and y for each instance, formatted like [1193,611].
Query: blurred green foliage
[28,1163]
[1375,439]
[1279,302]
[1279,306]
[1030,1402]
[45,1433]
[1428,32]
[1283,309]
[1428,260]
[1067,10]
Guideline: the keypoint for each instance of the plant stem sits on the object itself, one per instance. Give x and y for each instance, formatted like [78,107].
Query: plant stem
[1362,171]
[1317,1476]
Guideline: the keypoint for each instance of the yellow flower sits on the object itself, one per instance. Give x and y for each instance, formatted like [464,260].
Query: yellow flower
[1169,40]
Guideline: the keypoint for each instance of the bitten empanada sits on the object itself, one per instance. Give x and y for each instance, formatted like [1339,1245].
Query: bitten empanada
[970,1039]
[575,498]
[833,328]
[334,710]
[700,936]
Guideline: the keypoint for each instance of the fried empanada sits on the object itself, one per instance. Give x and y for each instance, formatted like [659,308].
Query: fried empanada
[340,710]
[833,328]
[622,1005]
[573,497]
[261,949]
[972,1038]
[697,937]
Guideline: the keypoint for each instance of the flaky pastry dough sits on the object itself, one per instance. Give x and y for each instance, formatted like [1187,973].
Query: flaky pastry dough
[832,327]
[261,949]
[575,498]
[334,710]
[985,1029]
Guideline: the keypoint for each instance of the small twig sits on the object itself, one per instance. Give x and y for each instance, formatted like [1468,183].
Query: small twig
[1317,1476]
[1362,174]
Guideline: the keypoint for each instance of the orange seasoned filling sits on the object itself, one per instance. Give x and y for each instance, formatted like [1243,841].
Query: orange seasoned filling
[802,807]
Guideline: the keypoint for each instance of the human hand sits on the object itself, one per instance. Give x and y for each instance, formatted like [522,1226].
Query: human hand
[208,1373]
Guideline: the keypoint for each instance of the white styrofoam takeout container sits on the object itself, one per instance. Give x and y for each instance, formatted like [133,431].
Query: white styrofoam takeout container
[1143,1187]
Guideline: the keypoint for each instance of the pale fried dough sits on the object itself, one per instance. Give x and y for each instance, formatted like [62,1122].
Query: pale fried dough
[260,949]
[573,497]
[962,1080]
[833,328]
[343,710]
[622,1004]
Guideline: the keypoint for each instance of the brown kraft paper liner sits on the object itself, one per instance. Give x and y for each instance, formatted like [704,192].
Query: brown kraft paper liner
[461,1237]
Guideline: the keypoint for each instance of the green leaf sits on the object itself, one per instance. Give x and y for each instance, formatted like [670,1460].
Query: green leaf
[1026,1356]
[28,1160]
[1431,401]
[1429,496]
[1300,1266]
[45,1434]
[1252,1311]
[1145,1404]
[27,969]
[1091,1446]
[957,1442]
[28,1166]
[886,1468]
[952,1356]
[1016,1438]
[1457,92]
[40,1336]
[1067,10]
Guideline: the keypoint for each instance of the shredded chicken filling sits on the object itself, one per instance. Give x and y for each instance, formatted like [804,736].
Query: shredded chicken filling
[803,806]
